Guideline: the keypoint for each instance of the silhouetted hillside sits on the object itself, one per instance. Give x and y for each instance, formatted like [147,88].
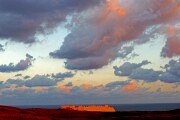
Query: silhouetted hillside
[12,113]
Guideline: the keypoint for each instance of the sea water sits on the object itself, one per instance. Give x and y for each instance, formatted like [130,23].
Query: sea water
[122,107]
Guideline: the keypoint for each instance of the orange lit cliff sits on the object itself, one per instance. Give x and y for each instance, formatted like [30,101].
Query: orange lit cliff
[105,108]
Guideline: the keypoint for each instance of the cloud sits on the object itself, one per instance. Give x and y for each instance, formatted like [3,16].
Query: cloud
[26,77]
[37,81]
[29,56]
[172,47]
[65,89]
[18,75]
[125,51]
[86,63]
[127,68]
[1,85]
[134,71]
[16,82]
[172,72]
[126,91]
[1,48]
[20,66]
[117,84]
[173,67]
[97,35]
[130,87]
[148,75]
[124,86]
[40,80]
[21,21]
[69,84]
[87,86]
[169,78]
[63,75]
[77,95]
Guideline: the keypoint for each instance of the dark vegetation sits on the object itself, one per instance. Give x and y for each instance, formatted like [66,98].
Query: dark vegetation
[12,113]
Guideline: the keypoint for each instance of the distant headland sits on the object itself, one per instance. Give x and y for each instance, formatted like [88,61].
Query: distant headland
[93,108]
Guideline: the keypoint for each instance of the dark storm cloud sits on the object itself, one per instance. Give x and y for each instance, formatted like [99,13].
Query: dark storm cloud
[22,20]
[20,66]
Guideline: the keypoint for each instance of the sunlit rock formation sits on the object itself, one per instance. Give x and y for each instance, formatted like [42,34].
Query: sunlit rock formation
[93,108]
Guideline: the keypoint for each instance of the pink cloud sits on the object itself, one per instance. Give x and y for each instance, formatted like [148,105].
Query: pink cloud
[172,47]
[94,41]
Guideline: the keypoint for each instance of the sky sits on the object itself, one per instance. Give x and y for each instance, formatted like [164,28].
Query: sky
[56,52]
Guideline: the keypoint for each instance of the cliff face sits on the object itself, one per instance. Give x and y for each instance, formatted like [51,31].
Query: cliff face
[105,108]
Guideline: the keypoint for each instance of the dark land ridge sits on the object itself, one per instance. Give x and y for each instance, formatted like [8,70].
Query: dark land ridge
[13,113]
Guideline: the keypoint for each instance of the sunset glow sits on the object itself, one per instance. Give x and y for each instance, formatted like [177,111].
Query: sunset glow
[89,52]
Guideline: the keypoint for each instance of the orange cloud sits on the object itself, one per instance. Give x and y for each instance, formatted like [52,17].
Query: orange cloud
[130,87]
[171,30]
[99,87]
[87,86]
[65,88]
[111,6]
[114,6]
[40,89]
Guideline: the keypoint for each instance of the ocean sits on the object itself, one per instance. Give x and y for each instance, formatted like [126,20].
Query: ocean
[122,107]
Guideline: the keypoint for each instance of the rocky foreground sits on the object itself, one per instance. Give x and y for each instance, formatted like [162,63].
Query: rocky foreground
[12,113]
